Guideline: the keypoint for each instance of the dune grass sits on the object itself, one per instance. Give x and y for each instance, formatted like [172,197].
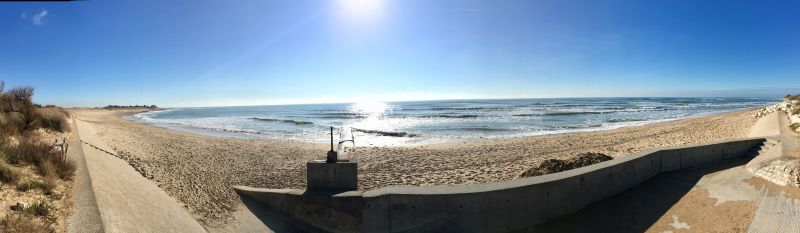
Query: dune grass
[39,208]
[7,174]
[53,119]
[21,146]
[22,223]
[46,187]
[41,154]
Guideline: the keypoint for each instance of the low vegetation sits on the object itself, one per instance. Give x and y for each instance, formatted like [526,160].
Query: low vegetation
[39,208]
[21,223]
[557,165]
[792,97]
[53,119]
[26,156]
[36,152]
[8,175]
[18,114]
[46,187]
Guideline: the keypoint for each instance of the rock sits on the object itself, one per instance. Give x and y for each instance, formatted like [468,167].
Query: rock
[20,206]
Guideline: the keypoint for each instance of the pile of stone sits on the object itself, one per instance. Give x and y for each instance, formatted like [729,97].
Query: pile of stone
[789,105]
[135,162]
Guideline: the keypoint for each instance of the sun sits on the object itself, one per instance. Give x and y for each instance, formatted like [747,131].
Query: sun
[361,11]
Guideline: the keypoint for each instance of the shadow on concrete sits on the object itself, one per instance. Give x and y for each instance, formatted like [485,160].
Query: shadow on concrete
[276,222]
[639,208]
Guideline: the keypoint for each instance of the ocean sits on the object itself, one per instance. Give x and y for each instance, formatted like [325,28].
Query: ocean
[422,122]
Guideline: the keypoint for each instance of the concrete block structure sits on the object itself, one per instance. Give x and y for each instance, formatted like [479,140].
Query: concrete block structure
[508,206]
[332,177]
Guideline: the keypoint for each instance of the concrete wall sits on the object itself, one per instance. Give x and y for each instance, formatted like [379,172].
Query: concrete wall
[493,207]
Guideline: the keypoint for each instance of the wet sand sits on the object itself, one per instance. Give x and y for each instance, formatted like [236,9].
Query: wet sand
[199,170]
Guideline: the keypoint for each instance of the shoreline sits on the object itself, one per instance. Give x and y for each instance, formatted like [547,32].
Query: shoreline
[199,170]
[130,115]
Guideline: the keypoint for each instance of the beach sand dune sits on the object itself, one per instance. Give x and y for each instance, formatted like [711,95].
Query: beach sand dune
[199,170]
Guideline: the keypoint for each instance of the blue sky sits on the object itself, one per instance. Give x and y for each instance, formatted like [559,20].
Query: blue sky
[210,53]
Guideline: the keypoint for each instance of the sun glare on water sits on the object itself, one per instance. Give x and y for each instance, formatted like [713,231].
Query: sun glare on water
[372,108]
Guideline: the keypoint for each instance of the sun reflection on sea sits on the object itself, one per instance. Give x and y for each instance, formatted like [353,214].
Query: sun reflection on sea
[373,112]
[372,108]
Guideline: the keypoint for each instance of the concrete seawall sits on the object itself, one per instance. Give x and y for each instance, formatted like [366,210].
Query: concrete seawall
[494,207]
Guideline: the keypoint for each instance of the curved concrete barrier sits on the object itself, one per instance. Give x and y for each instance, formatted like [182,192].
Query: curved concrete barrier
[494,207]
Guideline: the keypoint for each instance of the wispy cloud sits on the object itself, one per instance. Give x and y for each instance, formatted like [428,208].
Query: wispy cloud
[36,19]
[466,10]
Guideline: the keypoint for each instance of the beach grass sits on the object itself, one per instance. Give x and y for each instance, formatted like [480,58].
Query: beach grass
[27,154]
[35,152]
[21,223]
[52,119]
[46,187]
[7,174]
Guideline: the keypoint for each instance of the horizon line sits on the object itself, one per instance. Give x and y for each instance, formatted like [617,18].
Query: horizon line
[443,99]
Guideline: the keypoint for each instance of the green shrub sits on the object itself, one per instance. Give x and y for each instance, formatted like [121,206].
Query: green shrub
[7,174]
[39,208]
[794,126]
[29,185]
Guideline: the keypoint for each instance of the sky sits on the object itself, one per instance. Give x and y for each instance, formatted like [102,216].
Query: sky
[221,53]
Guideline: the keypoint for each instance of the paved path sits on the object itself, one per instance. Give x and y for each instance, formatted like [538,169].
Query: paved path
[85,214]
[126,201]
[720,197]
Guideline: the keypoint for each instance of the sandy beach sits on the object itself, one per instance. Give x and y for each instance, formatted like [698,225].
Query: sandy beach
[199,170]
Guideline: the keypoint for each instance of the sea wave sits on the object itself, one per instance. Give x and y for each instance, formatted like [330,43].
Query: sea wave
[385,133]
[616,120]
[477,128]
[340,115]
[296,122]
[421,121]
[461,116]
[467,108]
[206,123]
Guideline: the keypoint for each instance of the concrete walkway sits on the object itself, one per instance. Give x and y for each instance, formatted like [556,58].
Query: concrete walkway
[721,197]
[125,201]
[85,213]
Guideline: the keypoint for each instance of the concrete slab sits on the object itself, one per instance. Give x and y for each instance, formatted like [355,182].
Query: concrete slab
[85,216]
[720,197]
[767,126]
[128,202]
